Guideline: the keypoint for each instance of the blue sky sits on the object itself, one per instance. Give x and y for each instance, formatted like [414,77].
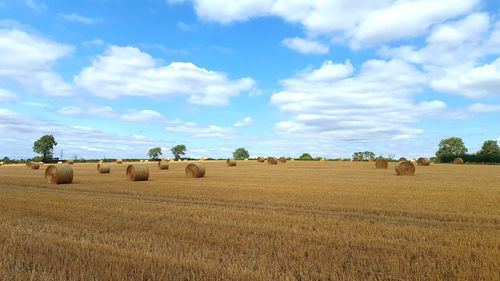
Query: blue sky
[115,78]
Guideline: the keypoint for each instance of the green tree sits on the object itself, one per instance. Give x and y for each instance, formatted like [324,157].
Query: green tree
[178,150]
[490,147]
[240,153]
[451,147]
[363,155]
[45,146]
[306,156]
[154,153]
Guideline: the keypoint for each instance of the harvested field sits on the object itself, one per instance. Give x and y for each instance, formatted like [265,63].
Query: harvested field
[305,220]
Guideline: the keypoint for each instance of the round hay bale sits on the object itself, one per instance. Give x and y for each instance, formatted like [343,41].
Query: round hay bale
[71,162]
[137,172]
[59,174]
[282,160]
[163,165]
[231,162]
[458,161]
[261,159]
[142,161]
[292,159]
[59,162]
[28,164]
[35,165]
[405,168]
[104,169]
[371,160]
[119,161]
[246,159]
[381,163]
[165,159]
[101,161]
[423,161]
[356,159]
[195,171]
[402,159]
[272,160]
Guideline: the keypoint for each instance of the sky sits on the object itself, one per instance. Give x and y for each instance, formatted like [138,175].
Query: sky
[114,78]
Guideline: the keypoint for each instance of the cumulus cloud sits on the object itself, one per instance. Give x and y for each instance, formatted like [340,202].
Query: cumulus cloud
[88,111]
[21,130]
[195,130]
[73,17]
[484,108]
[376,104]
[27,59]
[244,122]
[7,96]
[127,71]
[362,23]
[142,116]
[306,46]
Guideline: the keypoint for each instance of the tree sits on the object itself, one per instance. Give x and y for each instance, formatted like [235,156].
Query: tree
[305,156]
[363,155]
[451,147]
[154,153]
[45,146]
[240,153]
[490,148]
[178,150]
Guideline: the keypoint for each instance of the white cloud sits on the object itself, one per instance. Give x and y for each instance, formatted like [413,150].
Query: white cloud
[306,46]
[84,141]
[7,96]
[142,116]
[475,82]
[456,57]
[484,108]
[127,71]
[96,42]
[363,23]
[36,5]
[73,17]
[329,102]
[243,123]
[27,59]
[70,111]
[194,130]
[90,111]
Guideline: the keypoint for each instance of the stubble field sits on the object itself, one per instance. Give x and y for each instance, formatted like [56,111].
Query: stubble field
[293,221]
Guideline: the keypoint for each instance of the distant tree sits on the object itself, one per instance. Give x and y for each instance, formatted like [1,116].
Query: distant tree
[154,153]
[240,153]
[306,156]
[363,155]
[178,150]
[490,148]
[45,146]
[451,147]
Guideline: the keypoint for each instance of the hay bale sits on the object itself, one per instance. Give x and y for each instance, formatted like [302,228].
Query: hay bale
[28,164]
[381,163]
[292,159]
[163,165]
[458,161]
[59,162]
[59,174]
[272,160]
[405,168]
[402,159]
[101,161]
[356,159]
[103,169]
[423,161]
[231,162]
[261,159]
[142,161]
[195,171]
[35,165]
[282,159]
[166,159]
[246,159]
[137,172]
[119,161]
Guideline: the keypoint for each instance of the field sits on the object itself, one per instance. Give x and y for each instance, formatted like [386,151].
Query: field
[293,221]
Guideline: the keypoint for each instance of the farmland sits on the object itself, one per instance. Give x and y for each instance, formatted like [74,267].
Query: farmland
[306,220]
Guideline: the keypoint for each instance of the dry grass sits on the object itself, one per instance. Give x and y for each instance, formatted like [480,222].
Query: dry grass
[300,221]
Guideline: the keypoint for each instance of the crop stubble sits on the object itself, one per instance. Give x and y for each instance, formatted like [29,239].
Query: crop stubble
[293,221]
